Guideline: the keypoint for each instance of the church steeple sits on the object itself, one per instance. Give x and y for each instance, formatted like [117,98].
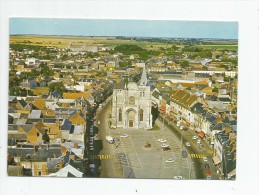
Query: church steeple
[143,80]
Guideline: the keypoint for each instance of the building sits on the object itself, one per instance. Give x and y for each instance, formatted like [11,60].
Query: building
[131,105]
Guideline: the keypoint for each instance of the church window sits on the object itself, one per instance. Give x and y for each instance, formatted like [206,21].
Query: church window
[120,115]
[141,115]
[143,94]
[131,100]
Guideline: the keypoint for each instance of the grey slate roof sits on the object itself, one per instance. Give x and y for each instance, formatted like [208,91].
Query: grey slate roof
[66,125]
[41,155]
[35,114]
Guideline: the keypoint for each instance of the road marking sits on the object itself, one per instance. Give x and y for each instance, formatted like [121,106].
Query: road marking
[196,155]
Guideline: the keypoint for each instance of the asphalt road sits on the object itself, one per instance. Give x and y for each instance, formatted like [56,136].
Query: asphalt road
[199,164]
[140,162]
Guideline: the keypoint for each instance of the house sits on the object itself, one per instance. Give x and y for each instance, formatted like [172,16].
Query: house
[181,103]
[66,127]
[15,170]
[77,133]
[35,114]
[70,170]
[34,132]
[75,96]
[225,153]
[34,158]
[77,119]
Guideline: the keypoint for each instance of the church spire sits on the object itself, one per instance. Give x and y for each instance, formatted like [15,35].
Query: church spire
[143,80]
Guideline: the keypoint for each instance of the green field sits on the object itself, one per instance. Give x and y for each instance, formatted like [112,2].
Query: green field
[219,47]
[63,41]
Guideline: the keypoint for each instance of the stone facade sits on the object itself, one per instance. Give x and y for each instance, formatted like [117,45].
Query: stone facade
[131,105]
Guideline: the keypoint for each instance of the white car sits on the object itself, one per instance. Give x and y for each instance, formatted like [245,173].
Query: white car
[181,127]
[178,177]
[164,146]
[178,123]
[170,160]
[188,144]
[194,137]
[162,140]
[205,159]
[124,136]
[198,141]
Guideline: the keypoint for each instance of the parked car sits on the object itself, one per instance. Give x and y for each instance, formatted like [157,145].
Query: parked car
[92,168]
[207,166]
[91,130]
[178,123]
[170,160]
[181,127]
[194,137]
[164,146]
[205,159]
[198,141]
[184,153]
[124,136]
[91,141]
[91,147]
[162,140]
[110,139]
[188,144]
[121,154]
[116,139]
[178,177]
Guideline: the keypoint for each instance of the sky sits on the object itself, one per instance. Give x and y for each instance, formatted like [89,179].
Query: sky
[135,28]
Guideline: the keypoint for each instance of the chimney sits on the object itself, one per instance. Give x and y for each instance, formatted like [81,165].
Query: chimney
[76,145]
[34,150]
[60,165]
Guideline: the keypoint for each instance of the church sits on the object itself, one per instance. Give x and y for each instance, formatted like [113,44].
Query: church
[131,104]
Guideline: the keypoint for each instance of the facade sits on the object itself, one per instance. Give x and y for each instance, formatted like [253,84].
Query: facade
[131,106]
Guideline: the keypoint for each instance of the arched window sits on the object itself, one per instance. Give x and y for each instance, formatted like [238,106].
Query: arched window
[120,115]
[141,115]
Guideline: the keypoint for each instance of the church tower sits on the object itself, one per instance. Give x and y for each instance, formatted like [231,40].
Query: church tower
[131,105]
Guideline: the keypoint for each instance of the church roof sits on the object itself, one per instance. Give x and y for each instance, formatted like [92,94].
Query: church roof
[120,85]
[143,80]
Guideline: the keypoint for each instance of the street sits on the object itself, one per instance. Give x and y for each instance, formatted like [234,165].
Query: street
[128,158]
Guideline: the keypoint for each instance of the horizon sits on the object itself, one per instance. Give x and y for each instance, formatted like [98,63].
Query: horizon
[124,28]
[139,37]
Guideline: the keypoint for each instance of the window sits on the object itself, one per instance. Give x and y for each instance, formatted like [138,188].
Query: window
[143,94]
[131,100]
[120,115]
[38,134]
[141,115]
[39,166]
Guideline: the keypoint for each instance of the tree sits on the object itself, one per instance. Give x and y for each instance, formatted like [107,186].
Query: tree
[68,66]
[215,89]
[184,64]
[59,87]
